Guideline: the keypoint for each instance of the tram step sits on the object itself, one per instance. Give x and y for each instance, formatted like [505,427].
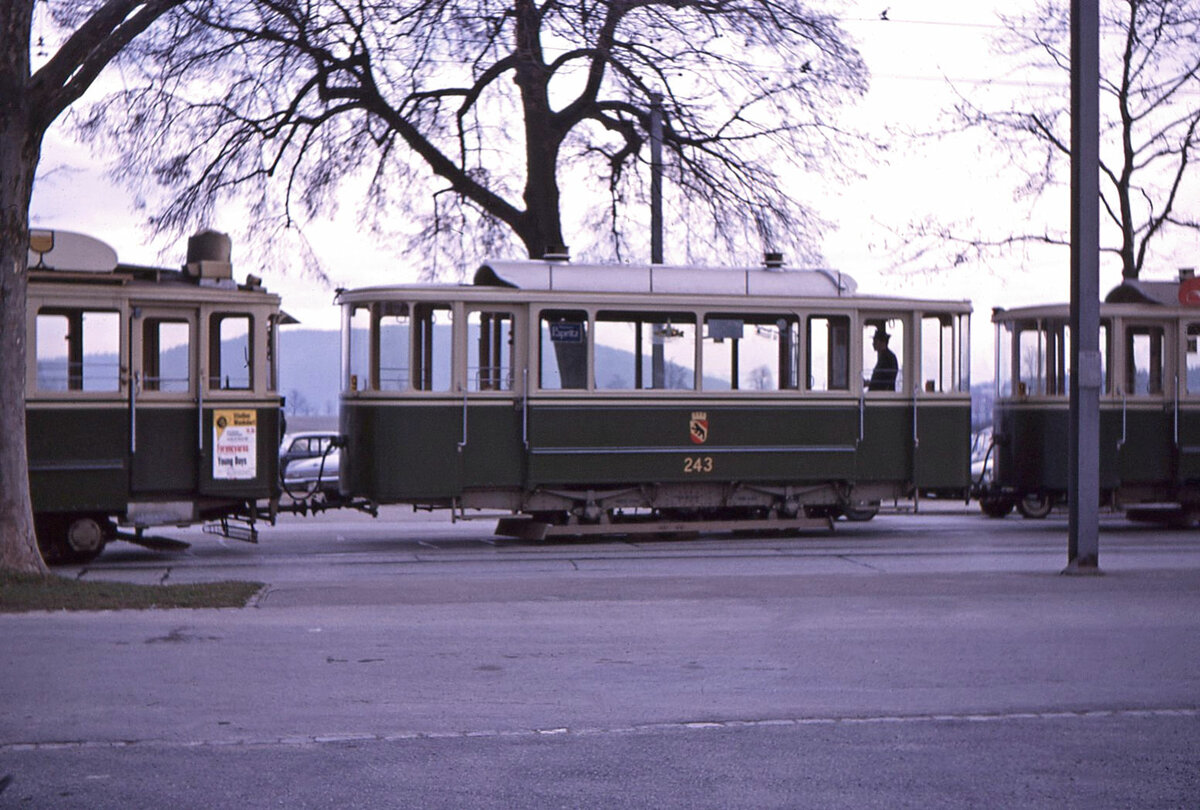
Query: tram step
[522,528]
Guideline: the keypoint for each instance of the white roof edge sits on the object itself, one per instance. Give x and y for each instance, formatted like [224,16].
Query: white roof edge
[66,250]
[660,278]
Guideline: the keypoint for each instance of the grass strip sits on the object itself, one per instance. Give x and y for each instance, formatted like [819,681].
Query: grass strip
[21,593]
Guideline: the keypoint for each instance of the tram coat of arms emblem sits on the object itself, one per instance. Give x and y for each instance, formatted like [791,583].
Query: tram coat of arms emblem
[698,427]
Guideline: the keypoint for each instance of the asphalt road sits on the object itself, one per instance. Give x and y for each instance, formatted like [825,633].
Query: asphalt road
[931,660]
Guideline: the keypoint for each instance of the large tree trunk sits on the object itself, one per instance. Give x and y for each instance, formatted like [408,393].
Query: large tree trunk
[19,151]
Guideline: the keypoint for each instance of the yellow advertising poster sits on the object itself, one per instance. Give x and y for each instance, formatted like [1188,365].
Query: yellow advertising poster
[235,445]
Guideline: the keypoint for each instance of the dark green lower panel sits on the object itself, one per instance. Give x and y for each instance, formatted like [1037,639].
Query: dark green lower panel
[411,452]
[78,458]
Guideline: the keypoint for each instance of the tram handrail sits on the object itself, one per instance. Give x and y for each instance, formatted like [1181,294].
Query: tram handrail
[1124,420]
[525,407]
[463,444]
[862,409]
[916,437]
[1176,426]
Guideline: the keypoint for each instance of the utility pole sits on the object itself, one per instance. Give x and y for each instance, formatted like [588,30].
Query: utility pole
[658,363]
[656,215]
[1083,495]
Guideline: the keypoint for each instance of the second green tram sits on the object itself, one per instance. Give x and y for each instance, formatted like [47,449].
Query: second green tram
[613,399]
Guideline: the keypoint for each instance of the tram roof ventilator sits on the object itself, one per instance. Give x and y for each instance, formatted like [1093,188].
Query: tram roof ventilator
[209,259]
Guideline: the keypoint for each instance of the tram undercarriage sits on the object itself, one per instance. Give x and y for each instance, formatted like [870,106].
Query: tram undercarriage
[670,509]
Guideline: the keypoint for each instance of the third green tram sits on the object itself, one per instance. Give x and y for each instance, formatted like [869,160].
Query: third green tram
[1149,404]
[587,399]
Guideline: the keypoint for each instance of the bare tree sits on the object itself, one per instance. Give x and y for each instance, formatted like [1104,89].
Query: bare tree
[480,120]
[1149,87]
[30,101]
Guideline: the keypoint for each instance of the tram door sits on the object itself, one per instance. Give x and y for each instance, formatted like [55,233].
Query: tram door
[165,422]
[1147,452]
[1188,415]
[491,451]
[941,404]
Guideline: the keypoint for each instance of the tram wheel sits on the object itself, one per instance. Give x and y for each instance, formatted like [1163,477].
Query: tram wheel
[996,506]
[1035,505]
[71,539]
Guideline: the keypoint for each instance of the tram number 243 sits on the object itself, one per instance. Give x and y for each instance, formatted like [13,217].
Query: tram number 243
[697,464]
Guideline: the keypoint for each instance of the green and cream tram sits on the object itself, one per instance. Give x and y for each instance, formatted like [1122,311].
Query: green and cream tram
[612,399]
[150,393]
[1149,404]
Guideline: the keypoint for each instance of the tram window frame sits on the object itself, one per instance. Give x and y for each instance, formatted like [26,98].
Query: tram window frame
[1156,368]
[561,368]
[391,337]
[1052,371]
[1025,369]
[491,350]
[218,379]
[432,348]
[88,333]
[1191,354]
[896,327]
[830,354]
[731,338]
[937,355]
[1056,359]
[356,347]
[153,352]
[675,329]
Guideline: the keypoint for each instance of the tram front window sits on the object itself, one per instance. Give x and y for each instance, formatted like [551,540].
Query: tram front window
[230,355]
[166,354]
[1144,348]
[1036,356]
[78,350]
[394,327]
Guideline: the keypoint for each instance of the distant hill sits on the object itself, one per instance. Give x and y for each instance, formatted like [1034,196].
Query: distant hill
[310,360]
[309,365]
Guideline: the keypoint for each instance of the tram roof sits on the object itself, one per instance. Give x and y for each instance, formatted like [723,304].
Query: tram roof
[1128,296]
[666,279]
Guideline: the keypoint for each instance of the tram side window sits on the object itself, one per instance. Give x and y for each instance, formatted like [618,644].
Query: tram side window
[1057,363]
[166,355]
[356,347]
[394,329]
[490,356]
[1024,346]
[827,362]
[562,358]
[432,356]
[1193,358]
[230,352]
[938,349]
[1144,348]
[883,354]
[645,350]
[749,352]
[78,350]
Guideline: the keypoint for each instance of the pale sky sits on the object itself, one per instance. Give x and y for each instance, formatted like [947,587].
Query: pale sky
[910,55]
